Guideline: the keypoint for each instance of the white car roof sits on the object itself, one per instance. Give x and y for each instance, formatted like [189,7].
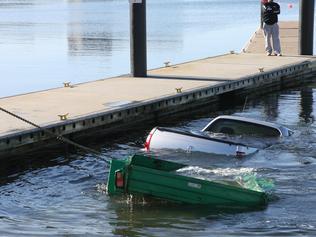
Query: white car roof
[283,130]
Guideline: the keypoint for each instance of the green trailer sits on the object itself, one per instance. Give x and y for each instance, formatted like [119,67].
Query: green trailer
[157,178]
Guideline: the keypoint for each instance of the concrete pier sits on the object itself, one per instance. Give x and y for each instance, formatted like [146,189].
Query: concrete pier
[114,103]
[289,35]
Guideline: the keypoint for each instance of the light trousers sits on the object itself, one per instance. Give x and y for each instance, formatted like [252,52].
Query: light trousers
[272,32]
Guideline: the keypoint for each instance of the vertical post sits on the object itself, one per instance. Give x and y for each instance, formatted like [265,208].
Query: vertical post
[306,27]
[261,14]
[138,38]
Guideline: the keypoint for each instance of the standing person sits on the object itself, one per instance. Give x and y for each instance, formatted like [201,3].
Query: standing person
[270,13]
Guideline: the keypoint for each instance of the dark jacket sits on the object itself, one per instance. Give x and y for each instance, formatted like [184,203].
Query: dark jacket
[270,13]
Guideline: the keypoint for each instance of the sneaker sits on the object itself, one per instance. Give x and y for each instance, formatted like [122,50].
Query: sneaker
[278,54]
[268,54]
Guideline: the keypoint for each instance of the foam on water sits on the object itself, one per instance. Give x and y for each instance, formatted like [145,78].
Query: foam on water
[194,170]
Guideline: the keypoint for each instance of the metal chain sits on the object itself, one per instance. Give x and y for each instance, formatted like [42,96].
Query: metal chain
[58,137]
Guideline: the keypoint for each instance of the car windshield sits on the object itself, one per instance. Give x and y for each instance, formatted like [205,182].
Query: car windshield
[235,127]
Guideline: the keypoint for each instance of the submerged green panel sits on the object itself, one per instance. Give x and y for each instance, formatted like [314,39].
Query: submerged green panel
[190,190]
[153,163]
[157,178]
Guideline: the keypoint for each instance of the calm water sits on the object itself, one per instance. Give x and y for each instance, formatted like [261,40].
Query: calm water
[44,43]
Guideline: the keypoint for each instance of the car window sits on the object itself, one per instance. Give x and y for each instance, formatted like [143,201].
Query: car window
[233,127]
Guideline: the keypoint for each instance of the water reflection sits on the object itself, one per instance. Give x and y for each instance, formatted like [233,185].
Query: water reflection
[271,107]
[16,3]
[92,31]
[80,44]
[307,100]
[161,217]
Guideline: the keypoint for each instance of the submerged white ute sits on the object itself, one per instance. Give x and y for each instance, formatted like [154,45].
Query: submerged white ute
[167,138]
[234,140]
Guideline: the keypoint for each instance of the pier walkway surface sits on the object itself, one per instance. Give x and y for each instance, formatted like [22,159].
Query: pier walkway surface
[288,38]
[114,101]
